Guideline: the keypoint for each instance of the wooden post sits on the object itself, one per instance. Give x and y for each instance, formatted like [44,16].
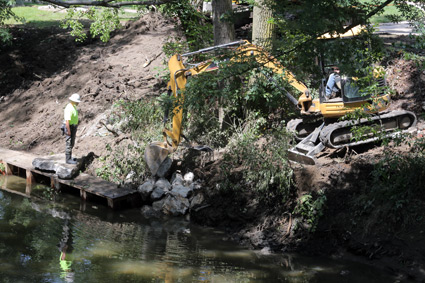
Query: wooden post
[30,177]
[111,203]
[8,169]
[4,186]
[30,181]
[54,183]
[83,194]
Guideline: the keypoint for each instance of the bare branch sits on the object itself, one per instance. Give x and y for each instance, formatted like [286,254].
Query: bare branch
[107,3]
[368,16]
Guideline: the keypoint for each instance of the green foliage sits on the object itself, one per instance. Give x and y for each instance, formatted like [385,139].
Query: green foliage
[6,13]
[122,163]
[104,21]
[257,162]
[194,23]
[311,207]
[2,168]
[140,120]
[174,46]
[396,187]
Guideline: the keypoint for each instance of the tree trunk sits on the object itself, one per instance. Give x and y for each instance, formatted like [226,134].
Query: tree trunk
[262,30]
[224,30]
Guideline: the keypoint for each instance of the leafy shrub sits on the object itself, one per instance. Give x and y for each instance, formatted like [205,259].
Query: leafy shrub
[257,162]
[397,183]
[310,207]
[141,121]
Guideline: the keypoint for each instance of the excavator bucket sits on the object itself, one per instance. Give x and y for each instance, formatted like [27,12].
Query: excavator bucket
[155,154]
[306,150]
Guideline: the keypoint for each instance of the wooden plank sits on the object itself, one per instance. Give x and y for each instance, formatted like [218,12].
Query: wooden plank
[17,158]
[87,184]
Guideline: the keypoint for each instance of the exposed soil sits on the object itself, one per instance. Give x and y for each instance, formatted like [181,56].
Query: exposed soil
[44,67]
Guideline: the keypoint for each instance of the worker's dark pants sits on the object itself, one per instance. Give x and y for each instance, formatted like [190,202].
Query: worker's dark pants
[70,140]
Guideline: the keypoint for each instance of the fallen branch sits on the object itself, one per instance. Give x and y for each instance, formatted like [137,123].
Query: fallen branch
[109,130]
[148,61]
[108,3]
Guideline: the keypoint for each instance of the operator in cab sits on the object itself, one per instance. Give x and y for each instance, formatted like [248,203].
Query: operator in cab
[333,86]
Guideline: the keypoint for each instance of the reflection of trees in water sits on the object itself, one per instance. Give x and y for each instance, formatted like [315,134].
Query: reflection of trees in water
[105,251]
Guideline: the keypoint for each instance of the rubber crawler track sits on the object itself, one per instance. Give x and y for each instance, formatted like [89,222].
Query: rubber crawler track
[327,131]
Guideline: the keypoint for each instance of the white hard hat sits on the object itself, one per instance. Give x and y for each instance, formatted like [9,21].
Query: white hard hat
[75,97]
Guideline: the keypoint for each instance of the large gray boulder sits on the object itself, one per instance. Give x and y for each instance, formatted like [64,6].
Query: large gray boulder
[56,164]
[158,205]
[164,167]
[182,191]
[163,184]
[146,189]
[157,193]
[175,205]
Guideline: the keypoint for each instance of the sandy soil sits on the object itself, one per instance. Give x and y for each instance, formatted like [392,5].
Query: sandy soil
[44,67]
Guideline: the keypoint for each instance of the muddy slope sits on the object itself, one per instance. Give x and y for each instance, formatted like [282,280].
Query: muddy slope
[44,67]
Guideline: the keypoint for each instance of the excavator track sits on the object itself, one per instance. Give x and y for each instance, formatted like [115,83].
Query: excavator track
[301,128]
[338,135]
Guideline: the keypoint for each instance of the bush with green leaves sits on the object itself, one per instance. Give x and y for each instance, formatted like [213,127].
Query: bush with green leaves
[397,183]
[310,207]
[194,23]
[394,189]
[141,121]
[103,22]
[5,14]
[257,161]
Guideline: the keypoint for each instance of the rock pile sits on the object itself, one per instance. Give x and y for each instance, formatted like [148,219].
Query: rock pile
[176,197]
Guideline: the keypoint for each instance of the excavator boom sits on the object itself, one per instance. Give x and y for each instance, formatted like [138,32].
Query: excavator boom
[157,152]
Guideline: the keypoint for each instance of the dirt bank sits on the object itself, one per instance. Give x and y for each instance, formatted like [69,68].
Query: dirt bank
[43,67]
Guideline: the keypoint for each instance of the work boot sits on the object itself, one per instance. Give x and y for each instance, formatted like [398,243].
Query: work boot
[69,159]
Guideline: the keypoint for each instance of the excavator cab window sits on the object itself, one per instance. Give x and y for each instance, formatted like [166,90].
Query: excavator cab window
[350,92]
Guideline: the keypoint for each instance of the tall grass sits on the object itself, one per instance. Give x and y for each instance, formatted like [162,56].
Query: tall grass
[36,17]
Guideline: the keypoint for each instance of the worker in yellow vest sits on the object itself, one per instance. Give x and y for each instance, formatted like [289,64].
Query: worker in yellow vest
[71,124]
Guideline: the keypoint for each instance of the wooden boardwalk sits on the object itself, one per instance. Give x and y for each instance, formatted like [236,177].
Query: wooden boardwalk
[20,164]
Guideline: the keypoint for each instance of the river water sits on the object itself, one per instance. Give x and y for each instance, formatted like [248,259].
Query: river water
[58,238]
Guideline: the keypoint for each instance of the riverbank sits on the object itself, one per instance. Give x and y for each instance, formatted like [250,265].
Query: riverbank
[334,207]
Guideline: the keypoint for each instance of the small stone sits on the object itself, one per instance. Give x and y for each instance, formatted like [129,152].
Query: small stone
[188,178]
[177,179]
[130,175]
[195,186]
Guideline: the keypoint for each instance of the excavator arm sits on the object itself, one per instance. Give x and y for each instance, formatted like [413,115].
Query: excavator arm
[157,152]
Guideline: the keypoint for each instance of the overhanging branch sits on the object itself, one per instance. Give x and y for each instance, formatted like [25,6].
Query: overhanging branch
[107,3]
[347,28]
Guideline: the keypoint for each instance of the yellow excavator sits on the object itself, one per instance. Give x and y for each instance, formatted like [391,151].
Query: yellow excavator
[313,136]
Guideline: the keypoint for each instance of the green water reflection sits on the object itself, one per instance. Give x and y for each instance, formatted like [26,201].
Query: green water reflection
[57,238]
